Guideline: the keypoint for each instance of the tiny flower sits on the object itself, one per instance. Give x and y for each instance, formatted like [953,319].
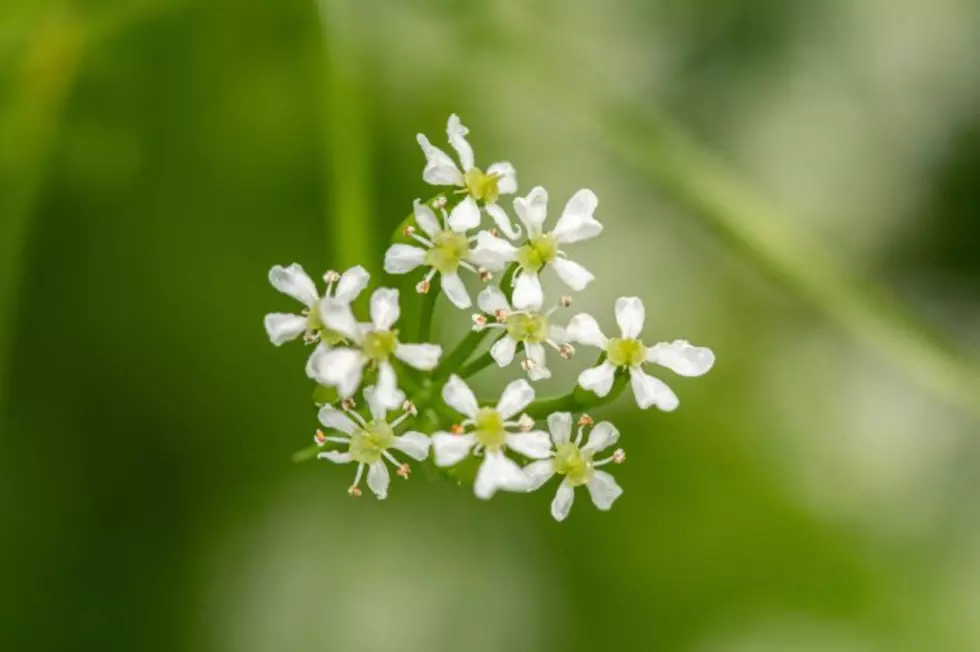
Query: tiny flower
[490,433]
[529,327]
[372,344]
[445,248]
[293,281]
[541,249]
[577,464]
[486,187]
[628,352]
[369,443]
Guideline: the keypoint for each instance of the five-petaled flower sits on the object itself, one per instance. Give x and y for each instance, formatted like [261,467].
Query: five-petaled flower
[542,248]
[628,352]
[368,442]
[530,327]
[441,170]
[577,464]
[445,248]
[490,431]
[374,344]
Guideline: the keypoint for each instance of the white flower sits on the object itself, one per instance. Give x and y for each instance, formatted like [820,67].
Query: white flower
[489,430]
[629,352]
[575,462]
[441,170]
[293,281]
[373,344]
[446,249]
[530,327]
[368,442]
[540,249]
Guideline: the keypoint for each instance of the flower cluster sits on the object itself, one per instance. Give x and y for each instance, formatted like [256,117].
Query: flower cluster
[496,443]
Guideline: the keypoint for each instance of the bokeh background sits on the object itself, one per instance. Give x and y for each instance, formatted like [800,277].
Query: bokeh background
[793,183]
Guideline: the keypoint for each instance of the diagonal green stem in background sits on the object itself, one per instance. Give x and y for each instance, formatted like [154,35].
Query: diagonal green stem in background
[705,188]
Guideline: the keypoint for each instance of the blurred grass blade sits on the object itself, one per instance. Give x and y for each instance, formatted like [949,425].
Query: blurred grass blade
[704,187]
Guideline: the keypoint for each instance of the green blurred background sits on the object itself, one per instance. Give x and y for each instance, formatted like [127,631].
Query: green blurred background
[817,491]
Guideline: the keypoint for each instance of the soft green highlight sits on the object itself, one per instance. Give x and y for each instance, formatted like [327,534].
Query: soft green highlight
[490,430]
[482,186]
[366,445]
[538,252]
[573,463]
[527,327]
[450,248]
[379,345]
[626,353]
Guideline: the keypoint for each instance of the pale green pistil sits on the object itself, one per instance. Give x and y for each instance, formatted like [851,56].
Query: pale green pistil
[449,248]
[490,430]
[626,353]
[366,445]
[573,463]
[379,345]
[482,186]
[538,252]
[527,327]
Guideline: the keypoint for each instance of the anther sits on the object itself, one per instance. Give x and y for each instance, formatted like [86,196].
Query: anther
[525,423]
[309,337]
[456,429]
[485,274]
[408,231]
[320,438]
[331,276]
[619,456]
[527,364]
[348,404]
[354,491]
[585,420]
[479,322]
[500,315]
[566,351]
[423,287]
[565,301]
[494,232]
[409,407]
[404,471]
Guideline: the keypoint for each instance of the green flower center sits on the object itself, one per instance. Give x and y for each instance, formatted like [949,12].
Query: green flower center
[378,345]
[367,444]
[449,248]
[538,252]
[527,327]
[573,463]
[490,428]
[626,353]
[482,186]
[315,324]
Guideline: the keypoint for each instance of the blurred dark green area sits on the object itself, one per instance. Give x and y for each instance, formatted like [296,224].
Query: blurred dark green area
[156,158]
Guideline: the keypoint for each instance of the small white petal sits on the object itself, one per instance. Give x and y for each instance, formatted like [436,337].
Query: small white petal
[538,473]
[458,395]
[351,284]
[506,177]
[517,396]
[560,426]
[457,138]
[557,334]
[603,489]
[562,503]
[283,327]
[503,350]
[450,449]
[339,317]
[603,435]
[492,252]
[538,372]
[583,329]
[532,209]
[491,299]
[340,367]
[403,258]
[455,291]
[426,219]
[414,444]
[423,357]
[498,472]
[334,419]
[294,282]
[314,359]
[535,352]
[574,275]
[387,396]
[465,216]
[376,407]
[535,444]
[378,479]
[335,456]
[576,222]
[630,316]
[440,170]
[598,379]
[682,357]
[384,308]
[528,294]
[499,217]
[652,391]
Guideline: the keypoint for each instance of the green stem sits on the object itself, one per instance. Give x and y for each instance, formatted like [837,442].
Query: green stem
[427,310]
[453,362]
[578,400]
[477,364]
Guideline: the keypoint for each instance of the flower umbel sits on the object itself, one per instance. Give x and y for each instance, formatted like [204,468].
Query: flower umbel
[628,352]
[576,464]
